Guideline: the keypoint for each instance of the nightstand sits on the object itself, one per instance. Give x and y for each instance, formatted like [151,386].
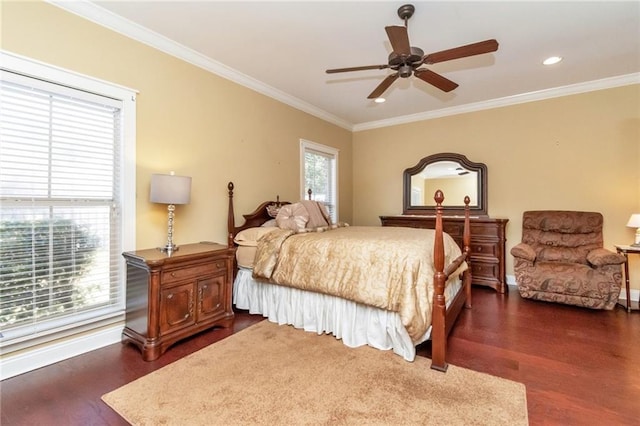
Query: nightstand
[173,297]
[626,250]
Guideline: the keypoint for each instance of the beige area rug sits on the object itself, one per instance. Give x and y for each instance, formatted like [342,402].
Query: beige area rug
[278,375]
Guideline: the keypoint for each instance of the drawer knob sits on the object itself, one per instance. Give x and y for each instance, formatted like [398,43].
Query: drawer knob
[173,274]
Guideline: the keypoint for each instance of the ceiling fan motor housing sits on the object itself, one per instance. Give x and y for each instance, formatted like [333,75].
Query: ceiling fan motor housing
[397,60]
[405,64]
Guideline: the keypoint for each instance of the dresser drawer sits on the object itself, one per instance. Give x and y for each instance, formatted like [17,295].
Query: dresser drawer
[486,230]
[484,250]
[179,274]
[454,229]
[483,271]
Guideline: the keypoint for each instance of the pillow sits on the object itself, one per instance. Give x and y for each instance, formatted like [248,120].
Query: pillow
[271,223]
[292,216]
[250,236]
[318,215]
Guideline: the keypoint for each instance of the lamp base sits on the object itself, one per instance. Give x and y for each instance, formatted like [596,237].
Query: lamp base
[169,249]
[635,245]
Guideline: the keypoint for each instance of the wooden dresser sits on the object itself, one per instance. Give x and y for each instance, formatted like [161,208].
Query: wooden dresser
[173,297]
[487,244]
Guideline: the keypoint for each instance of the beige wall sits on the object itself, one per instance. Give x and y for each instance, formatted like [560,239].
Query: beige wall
[189,121]
[579,152]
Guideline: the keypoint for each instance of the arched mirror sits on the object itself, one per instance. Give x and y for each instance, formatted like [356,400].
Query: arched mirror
[452,173]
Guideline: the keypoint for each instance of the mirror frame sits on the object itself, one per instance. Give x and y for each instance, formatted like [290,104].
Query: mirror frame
[453,210]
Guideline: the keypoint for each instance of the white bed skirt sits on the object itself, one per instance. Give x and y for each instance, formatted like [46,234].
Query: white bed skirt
[355,324]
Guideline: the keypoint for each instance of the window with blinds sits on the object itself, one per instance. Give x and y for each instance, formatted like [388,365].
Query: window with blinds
[60,213]
[318,169]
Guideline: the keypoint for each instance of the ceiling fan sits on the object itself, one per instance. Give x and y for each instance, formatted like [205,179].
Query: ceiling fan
[406,59]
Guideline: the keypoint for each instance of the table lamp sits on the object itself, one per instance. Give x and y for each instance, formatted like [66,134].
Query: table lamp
[634,222]
[171,190]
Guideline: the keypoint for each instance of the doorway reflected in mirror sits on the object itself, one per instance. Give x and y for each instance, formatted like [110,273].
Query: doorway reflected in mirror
[452,173]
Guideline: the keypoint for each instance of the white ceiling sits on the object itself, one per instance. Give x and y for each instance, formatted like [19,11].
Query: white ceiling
[282,49]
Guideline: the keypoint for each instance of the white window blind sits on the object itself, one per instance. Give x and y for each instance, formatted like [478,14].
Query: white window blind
[319,173]
[60,227]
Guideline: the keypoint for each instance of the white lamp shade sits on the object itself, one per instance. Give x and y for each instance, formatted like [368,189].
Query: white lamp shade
[634,221]
[170,189]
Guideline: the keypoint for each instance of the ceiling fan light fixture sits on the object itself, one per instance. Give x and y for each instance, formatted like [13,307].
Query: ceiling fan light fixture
[552,60]
[405,71]
[379,100]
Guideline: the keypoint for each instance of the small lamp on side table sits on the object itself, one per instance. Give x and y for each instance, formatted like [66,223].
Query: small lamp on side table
[171,190]
[634,222]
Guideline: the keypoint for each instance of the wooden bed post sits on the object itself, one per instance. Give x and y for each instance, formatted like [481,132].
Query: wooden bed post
[230,217]
[466,244]
[438,326]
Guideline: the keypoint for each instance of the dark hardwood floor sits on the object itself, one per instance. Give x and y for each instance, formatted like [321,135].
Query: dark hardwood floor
[580,367]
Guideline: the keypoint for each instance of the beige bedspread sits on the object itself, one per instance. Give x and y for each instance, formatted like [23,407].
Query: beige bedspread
[385,267]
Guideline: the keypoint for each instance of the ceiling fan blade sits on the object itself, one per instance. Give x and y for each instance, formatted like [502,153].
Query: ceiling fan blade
[399,40]
[436,80]
[366,67]
[462,51]
[383,86]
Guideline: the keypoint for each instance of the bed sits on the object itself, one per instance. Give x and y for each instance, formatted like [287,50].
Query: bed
[410,291]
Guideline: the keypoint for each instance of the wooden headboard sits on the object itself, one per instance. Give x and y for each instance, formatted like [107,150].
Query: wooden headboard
[251,220]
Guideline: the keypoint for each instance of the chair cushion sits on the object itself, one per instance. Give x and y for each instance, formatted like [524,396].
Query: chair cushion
[570,222]
[562,278]
[562,254]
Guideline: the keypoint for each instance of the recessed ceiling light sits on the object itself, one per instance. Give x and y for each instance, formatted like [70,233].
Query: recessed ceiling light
[379,100]
[552,60]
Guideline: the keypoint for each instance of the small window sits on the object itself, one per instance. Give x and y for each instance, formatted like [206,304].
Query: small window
[319,165]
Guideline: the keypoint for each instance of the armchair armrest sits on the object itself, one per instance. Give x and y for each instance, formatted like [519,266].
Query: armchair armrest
[602,256]
[523,251]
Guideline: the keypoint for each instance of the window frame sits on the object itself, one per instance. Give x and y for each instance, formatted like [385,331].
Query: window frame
[36,350]
[306,145]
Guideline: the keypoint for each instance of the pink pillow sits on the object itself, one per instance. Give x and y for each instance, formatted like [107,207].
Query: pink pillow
[318,214]
[292,216]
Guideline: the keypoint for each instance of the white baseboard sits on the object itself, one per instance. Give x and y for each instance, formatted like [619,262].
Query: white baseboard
[635,294]
[24,361]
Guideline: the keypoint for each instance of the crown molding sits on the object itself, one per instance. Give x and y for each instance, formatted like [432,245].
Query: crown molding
[107,19]
[573,89]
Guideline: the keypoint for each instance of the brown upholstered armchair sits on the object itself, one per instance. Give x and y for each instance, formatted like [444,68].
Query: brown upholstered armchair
[561,259]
